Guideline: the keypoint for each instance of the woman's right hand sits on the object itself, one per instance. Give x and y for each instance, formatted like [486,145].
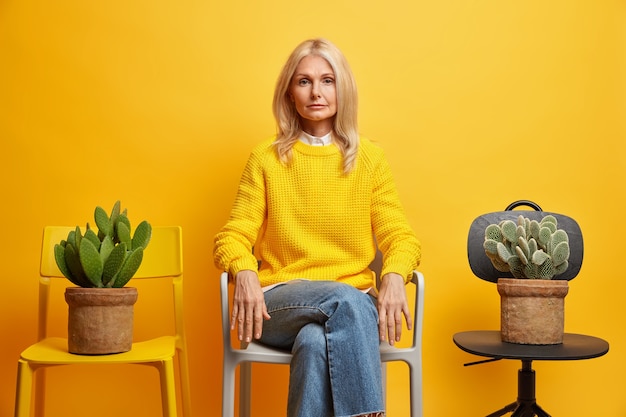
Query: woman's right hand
[249,309]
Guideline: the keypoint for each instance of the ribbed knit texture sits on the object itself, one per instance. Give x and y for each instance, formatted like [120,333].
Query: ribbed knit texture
[315,222]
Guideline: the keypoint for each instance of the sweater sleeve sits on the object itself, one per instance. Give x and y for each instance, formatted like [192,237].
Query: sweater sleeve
[395,237]
[233,244]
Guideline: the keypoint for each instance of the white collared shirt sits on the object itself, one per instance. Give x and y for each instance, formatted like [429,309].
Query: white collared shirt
[315,140]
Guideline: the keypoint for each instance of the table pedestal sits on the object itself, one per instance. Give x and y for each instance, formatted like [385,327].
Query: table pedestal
[526,404]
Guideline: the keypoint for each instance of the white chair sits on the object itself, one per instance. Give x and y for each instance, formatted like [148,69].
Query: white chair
[255,352]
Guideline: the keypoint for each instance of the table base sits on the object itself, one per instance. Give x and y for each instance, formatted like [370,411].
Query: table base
[526,404]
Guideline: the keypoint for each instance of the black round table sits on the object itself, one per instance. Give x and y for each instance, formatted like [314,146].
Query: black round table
[488,343]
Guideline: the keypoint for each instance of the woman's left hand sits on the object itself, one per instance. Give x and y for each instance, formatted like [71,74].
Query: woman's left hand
[392,305]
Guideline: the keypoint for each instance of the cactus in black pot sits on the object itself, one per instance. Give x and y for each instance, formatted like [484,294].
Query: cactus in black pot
[529,249]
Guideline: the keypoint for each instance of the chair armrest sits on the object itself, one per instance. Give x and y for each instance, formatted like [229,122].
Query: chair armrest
[225,303]
[418,312]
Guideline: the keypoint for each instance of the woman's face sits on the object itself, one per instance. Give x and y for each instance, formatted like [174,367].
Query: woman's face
[313,92]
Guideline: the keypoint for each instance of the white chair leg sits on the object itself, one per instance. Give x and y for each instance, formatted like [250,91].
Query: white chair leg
[228,389]
[384,380]
[416,391]
[245,391]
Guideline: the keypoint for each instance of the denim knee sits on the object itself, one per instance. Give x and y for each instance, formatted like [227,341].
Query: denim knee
[352,302]
[311,341]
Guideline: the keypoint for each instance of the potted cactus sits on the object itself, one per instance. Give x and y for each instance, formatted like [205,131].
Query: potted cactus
[535,252]
[100,319]
[529,249]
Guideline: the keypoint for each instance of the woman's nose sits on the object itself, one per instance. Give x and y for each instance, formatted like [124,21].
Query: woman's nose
[315,91]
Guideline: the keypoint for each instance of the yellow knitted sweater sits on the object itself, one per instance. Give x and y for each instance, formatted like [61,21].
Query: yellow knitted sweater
[307,219]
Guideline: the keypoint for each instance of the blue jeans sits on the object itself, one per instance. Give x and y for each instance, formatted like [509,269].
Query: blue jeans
[332,331]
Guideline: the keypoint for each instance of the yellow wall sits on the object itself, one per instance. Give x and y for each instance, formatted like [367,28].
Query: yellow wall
[478,103]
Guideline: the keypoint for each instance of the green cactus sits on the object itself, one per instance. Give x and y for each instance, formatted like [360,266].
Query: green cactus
[528,249]
[108,259]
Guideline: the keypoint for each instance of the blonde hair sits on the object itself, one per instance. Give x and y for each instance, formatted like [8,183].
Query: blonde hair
[345,126]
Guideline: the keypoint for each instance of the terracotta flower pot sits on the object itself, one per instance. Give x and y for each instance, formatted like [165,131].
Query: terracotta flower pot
[532,310]
[100,320]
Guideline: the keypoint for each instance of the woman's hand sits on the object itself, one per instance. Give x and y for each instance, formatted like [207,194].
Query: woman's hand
[392,305]
[249,307]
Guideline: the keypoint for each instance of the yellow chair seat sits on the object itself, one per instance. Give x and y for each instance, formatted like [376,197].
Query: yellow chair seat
[53,351]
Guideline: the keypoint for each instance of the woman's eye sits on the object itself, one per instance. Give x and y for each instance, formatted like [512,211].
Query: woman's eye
[328,81]
[303,81]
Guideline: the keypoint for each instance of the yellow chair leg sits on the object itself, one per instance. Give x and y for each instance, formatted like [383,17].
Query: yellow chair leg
[184,383]
[168,388]
[24,389]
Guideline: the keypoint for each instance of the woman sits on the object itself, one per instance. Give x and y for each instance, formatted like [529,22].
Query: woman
[314,202]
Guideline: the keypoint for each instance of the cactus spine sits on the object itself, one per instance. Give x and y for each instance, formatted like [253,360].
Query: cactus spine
[107,259]
[528,249]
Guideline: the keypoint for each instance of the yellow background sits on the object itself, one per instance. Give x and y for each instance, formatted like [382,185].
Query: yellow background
[477,103]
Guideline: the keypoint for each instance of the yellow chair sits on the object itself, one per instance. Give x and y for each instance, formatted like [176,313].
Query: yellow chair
[162,259]
[256,352]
